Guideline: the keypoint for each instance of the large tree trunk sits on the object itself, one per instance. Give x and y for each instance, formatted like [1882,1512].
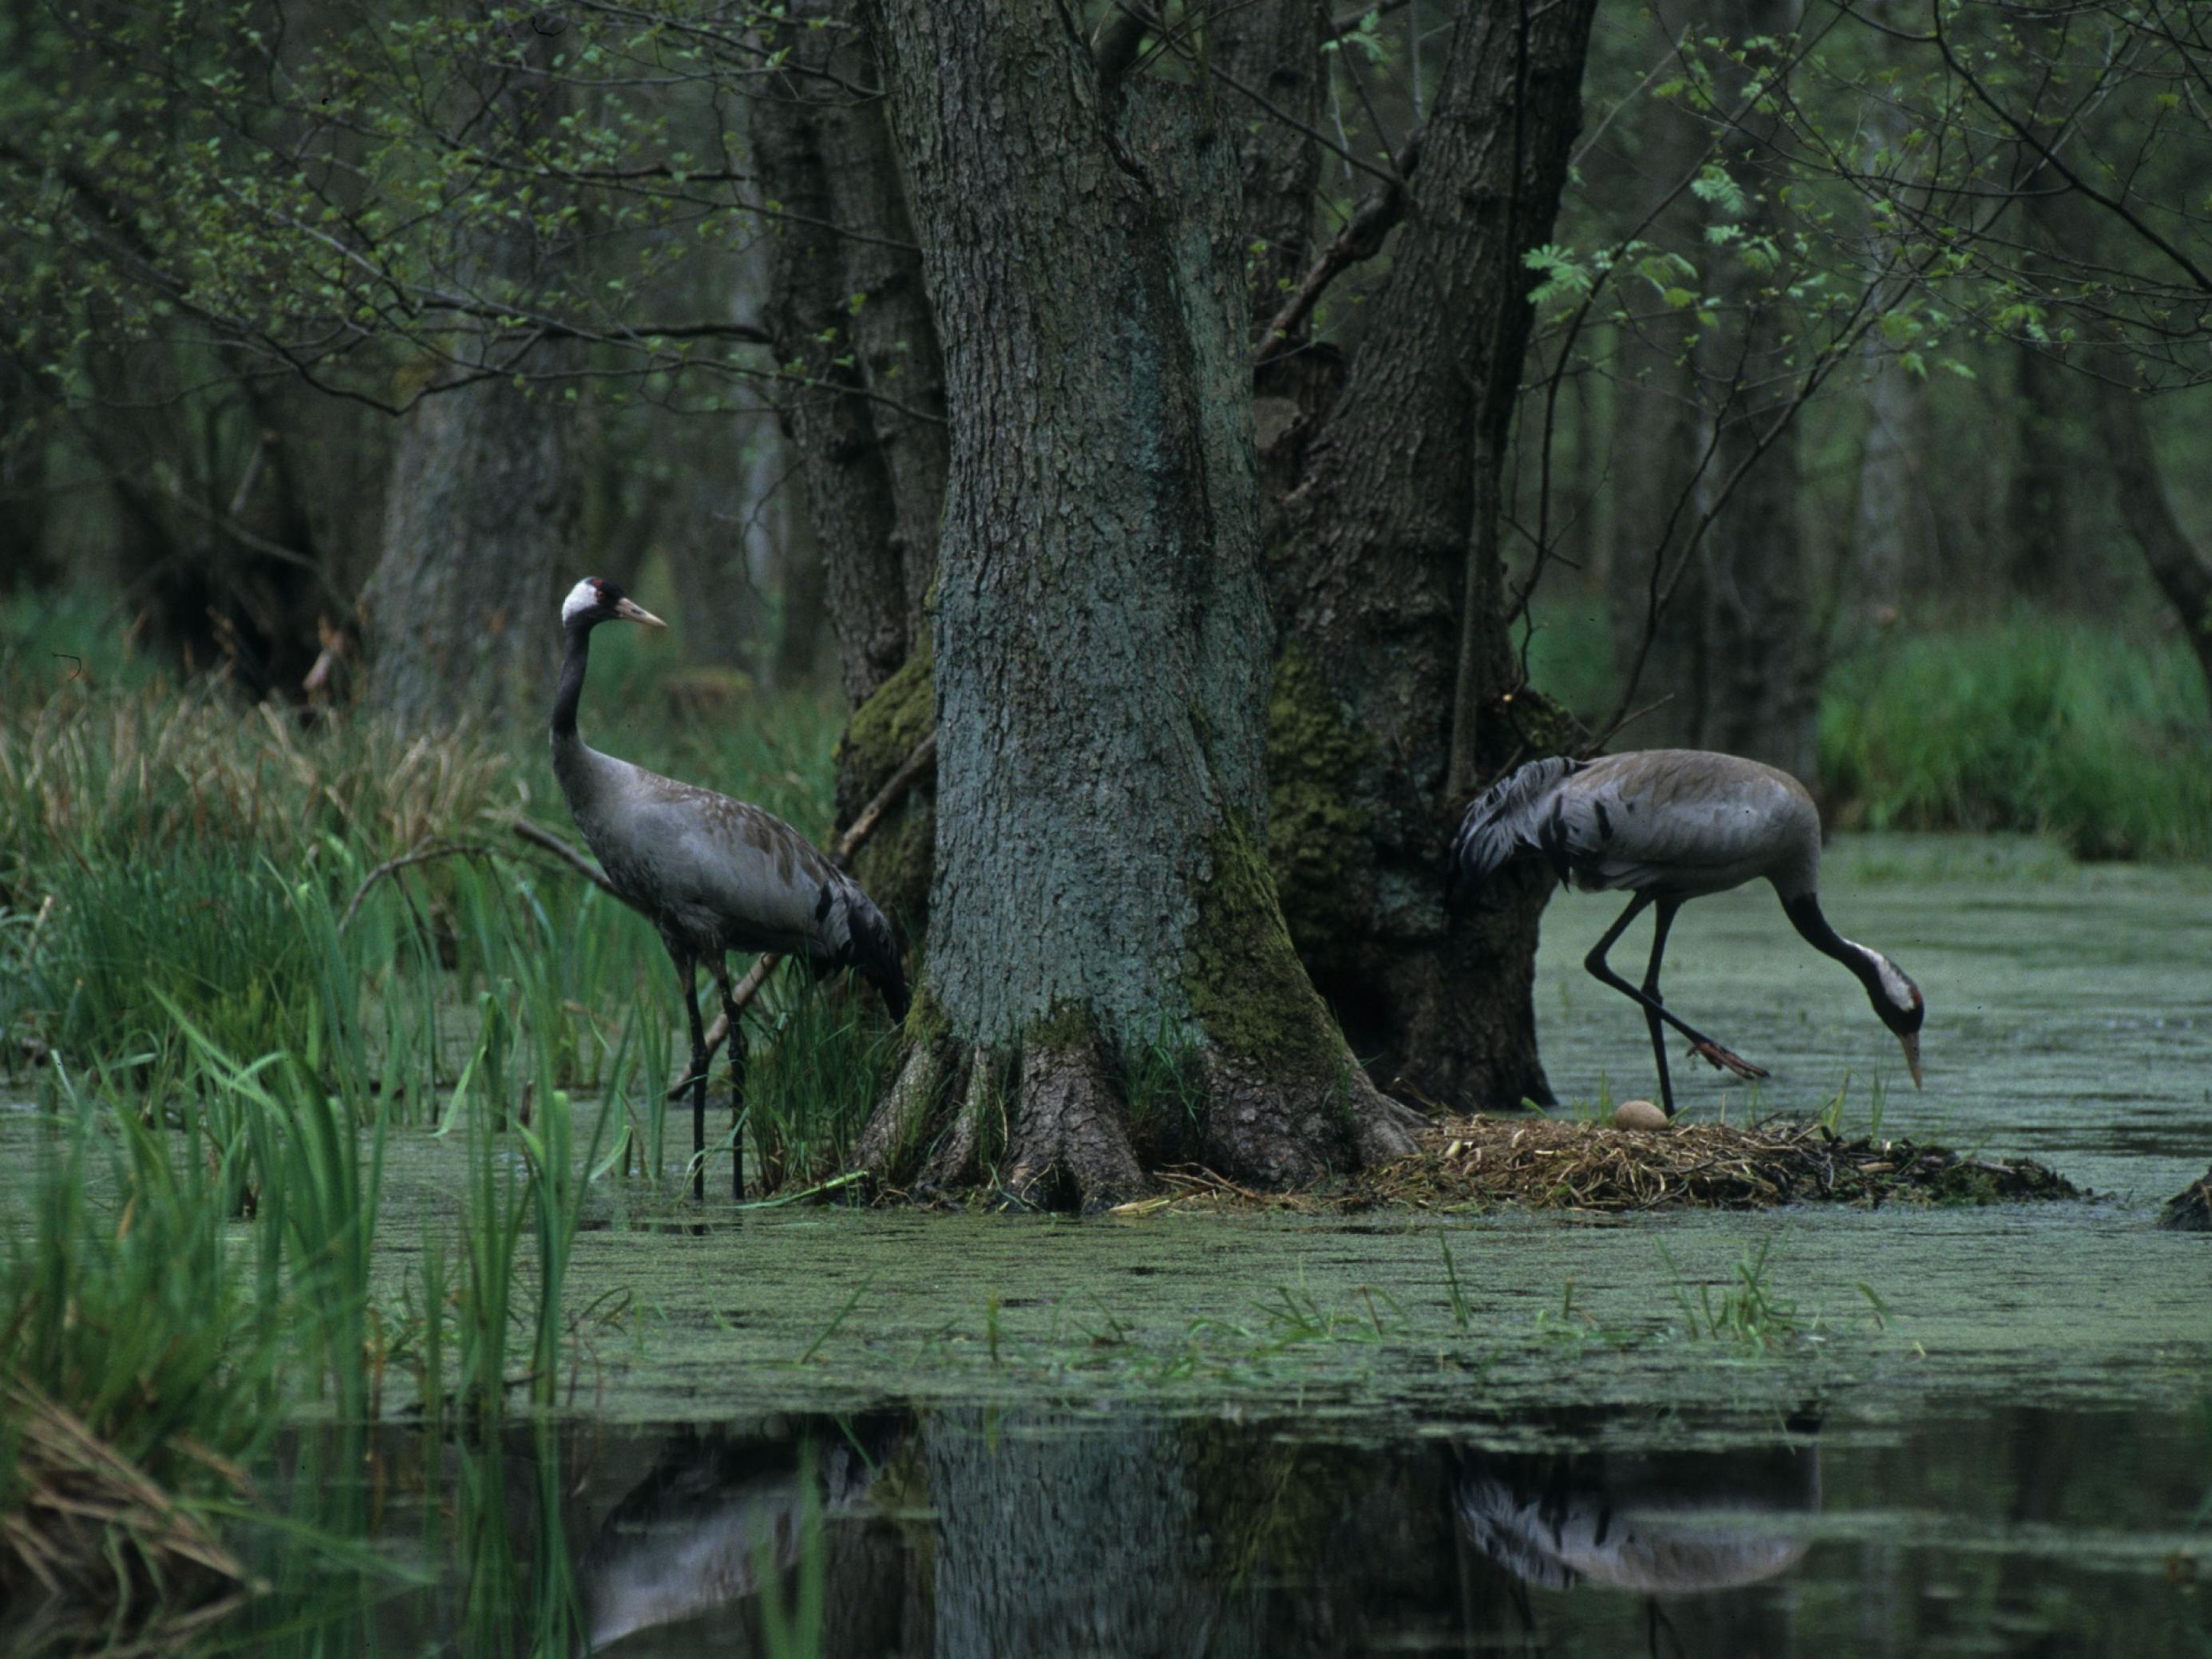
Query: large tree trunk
[1101,641]
[1395,661]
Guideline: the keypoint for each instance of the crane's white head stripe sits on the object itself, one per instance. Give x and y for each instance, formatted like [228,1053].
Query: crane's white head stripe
[582,597]
[1894,985]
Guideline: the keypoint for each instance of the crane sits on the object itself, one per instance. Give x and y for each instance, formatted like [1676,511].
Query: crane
[1672,825]
[713,874]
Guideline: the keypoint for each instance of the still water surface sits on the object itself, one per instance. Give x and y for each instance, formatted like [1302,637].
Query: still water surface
[1983,1431]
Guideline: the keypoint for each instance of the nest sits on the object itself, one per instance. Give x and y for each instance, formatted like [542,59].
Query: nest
[2189,1210]
[86,1532]
[1546,1163]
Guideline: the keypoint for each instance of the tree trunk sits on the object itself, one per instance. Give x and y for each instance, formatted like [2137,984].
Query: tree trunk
[485,497]
[1101,639]
[1894,544]
[2184,574]
[851,318]
[2036,514]
[477,539]
[1274,47]
[1657,442]
[1895,541]
[1396,688]
[1756,644]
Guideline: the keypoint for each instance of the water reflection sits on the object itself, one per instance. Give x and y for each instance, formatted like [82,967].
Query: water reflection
[1652,1524]
[975,1531]
[718,1515]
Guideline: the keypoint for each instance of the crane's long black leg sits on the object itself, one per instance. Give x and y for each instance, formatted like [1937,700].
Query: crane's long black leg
[687,970]
[1706,1047]
[1661,920]
[731,1013]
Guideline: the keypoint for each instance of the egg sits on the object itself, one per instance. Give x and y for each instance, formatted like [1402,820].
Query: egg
[1638,1114]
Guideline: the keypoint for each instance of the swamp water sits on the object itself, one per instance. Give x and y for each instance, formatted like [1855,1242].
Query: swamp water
[1807,1431]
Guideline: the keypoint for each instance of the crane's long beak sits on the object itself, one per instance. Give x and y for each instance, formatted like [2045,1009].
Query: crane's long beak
[630,611]
[1911,1046]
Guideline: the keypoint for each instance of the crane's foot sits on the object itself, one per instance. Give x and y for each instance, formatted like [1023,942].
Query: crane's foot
[1724,1060]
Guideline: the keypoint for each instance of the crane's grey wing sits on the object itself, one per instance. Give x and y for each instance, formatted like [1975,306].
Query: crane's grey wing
[751,882]
[1510,817]
[1685,822]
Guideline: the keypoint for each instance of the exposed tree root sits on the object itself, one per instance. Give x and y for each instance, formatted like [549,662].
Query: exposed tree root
[1069,1146]
[1052,1129]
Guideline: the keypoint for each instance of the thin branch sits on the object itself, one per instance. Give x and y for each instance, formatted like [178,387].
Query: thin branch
[422,854]
[560,848]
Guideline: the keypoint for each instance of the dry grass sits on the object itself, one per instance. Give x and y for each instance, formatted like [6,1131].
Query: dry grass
[1545,1164]
[93,1551]
[114,775]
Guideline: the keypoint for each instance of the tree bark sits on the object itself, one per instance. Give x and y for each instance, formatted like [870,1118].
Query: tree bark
[2182,572]
[852,319]
[1895,544]
[485,498]
[1101,632]
[476,537]
[1274,47]
[1756,644]
[2036,512]
[1396,672]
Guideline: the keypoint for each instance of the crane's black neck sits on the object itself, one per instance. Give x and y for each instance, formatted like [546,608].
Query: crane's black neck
[1804,913]
[574,662]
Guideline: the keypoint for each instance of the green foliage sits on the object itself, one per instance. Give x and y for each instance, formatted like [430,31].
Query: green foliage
[2074,730]
[201,931]
[811,1087]
[1746,1311]
[134,1313]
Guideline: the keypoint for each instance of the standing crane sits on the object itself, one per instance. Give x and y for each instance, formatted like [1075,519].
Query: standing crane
[713,874]
[1672,825]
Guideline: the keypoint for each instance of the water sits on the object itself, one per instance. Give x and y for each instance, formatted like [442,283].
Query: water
[1978,1432]
[970,1531]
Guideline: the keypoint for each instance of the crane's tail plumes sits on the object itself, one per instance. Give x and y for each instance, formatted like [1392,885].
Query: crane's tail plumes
[1505,821]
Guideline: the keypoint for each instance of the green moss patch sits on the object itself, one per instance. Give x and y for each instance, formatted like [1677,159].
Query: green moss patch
[896,864]
[1317,832]
[1242,973]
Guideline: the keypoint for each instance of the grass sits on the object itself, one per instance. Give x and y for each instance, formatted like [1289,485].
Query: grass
[224,1042]
[2080,731]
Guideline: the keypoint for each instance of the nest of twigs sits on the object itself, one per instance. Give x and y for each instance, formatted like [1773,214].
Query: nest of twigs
[91,1547]
[1549,1164]
[2189,1210]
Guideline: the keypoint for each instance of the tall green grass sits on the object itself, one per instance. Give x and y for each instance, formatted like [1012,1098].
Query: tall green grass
[2074,730]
